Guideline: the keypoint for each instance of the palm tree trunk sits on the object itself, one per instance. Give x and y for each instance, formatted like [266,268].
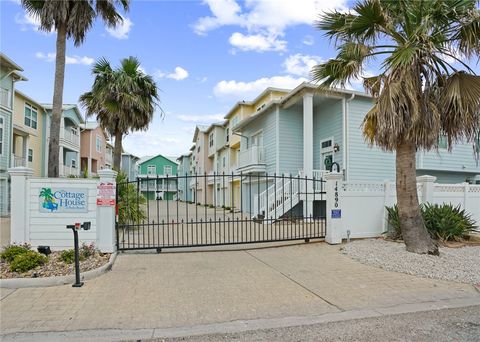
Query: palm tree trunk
[415,235]
[54,144]
[117,151]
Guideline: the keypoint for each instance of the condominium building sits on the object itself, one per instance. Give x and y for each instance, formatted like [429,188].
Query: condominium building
[93,148]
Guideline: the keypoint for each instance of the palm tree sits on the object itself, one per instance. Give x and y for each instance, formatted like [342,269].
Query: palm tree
[71,19]
[123,100]
[419,93]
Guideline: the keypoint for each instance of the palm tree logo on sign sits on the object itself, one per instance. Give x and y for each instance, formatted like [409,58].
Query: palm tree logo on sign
[49,201]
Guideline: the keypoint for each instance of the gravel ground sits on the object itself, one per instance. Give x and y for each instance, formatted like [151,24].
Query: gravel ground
[55,267]
[436,326]
[455,264]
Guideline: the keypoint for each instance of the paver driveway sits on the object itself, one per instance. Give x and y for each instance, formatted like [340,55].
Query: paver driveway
[185,289]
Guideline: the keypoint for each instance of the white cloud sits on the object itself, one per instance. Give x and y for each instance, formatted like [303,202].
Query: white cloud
[308,40]
[225,12]
[201,118]
[247,90]
[301,65]
[257,42]
[121,30]
[29,22]
[268,18]
[178,74]
[152,143]
[50,57]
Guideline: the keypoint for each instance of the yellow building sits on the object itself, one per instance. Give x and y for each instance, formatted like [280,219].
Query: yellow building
[28,147]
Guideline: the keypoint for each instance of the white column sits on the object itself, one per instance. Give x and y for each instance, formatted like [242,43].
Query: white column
[428,187]
[333,188]
[106,238]
[308,154]
[20,204]
[60,161]
[308,135]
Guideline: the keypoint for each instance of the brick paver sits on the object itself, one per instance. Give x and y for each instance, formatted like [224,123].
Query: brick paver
[180,289]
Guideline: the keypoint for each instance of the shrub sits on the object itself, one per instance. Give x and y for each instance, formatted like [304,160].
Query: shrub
[444,222]
[68,256]
[394,222]
[10,252]
[87,250]
[26,261]
[131,203]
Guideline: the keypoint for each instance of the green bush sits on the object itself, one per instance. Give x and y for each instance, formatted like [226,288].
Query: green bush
[11,251]
[131,203]
[444,222]
[26,261]
[68,256]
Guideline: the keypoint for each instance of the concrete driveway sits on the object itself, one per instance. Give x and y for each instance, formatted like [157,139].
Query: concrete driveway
[175,290]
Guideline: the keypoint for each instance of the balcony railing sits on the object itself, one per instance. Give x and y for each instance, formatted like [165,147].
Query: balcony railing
[5,97]
[18,161]
[251,156]
[159,187]
[70,137]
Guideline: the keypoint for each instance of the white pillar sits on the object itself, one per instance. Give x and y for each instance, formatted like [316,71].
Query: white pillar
[106,237]
[18,224]
[60,161]
[333,188]
[308,154]
[308,135]
[428,187]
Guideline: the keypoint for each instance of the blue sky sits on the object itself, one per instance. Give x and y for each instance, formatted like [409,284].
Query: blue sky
[204,56]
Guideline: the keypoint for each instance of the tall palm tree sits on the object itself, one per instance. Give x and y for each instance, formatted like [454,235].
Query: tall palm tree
[71,19]
[419,93]
[123,100]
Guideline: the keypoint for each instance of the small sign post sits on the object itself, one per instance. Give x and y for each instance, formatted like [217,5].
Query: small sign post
[75,228]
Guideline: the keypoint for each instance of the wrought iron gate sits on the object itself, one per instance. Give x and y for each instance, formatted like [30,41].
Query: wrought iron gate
[218,209]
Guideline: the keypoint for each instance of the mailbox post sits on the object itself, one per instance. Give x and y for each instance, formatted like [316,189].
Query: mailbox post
[75,228]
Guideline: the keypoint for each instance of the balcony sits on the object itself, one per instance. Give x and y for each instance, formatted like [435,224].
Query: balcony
[160,187]
[19,161]
[252,159]
[5,98]
[70,138]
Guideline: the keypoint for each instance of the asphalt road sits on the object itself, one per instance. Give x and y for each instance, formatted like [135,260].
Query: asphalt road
[461,324]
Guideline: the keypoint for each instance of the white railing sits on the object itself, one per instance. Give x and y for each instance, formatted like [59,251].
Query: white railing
[158,187]
[18,160]
[66,171]
[5,97]
[70,137]
[251,156]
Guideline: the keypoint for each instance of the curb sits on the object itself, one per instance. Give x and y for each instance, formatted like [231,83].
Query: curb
[17,283]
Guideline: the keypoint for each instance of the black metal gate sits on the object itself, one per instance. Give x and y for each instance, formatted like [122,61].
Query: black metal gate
[156,212]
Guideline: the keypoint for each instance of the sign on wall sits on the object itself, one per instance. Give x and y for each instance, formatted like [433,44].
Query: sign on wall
[106,194]
[63,200]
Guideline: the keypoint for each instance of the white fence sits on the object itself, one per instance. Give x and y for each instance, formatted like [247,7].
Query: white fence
[43,207]
[362,204]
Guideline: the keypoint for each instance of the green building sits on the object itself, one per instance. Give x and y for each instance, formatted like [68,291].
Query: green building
[157,177]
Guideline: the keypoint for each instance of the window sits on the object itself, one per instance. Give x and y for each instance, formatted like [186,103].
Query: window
[442,141]
[99,144]
[210,140]
[167,170]
[198,149]
[326,144]
[30,116]
[234,121]
[1,135]
[151,170]
[223,161]
[30,155]
[74,163]
[227,135]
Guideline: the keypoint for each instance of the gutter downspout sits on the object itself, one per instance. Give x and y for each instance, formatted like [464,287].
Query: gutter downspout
[345,135]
